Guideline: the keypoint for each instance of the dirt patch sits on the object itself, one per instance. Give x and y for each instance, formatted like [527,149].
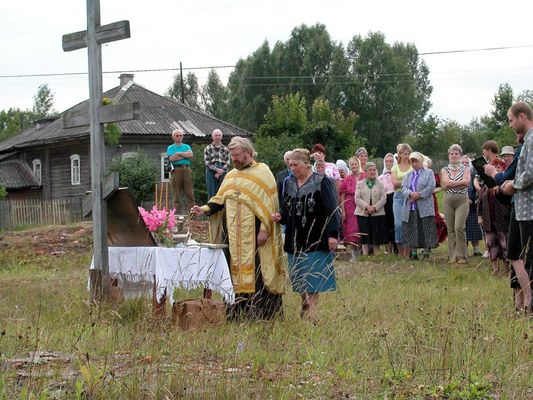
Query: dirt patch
[50,240]
[76,238]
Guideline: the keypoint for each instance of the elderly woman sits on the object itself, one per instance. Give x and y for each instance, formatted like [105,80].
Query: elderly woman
[310,213]
[418,215]
[318,152]
[398,171]
[350,227]
[344,171]
[370,199]
[386,180]
[455,179]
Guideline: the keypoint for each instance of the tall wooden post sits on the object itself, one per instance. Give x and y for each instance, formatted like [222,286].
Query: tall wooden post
[101,256]
[93,38]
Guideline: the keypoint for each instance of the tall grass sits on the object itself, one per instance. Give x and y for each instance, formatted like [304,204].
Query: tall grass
[394,329]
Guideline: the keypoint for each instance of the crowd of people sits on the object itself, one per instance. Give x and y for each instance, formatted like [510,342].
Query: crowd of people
[320,204]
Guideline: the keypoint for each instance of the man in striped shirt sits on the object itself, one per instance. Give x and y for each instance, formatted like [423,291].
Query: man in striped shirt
[216,158]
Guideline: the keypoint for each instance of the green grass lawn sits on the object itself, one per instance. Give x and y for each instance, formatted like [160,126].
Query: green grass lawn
[393,329]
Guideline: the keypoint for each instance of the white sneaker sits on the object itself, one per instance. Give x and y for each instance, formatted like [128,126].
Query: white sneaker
[486,254]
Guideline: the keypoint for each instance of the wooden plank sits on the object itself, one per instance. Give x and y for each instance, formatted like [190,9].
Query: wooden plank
[104,34]
[106,114]
[111,185]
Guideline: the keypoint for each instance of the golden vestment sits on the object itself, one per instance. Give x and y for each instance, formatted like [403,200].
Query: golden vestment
[246,194]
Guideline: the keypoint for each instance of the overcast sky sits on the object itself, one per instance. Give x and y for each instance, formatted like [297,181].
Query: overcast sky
[217,32]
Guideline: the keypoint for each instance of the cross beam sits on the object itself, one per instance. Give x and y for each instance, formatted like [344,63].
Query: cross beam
[104,34]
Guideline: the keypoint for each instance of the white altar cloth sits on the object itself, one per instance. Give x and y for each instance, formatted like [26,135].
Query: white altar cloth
[184,267]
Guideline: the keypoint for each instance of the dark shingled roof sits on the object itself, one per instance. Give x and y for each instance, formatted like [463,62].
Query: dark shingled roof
[16,174]
[159,115]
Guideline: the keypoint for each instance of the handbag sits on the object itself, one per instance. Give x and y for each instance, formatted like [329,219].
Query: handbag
[198,313]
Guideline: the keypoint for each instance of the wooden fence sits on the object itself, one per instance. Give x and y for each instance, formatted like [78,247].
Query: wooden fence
[36,212]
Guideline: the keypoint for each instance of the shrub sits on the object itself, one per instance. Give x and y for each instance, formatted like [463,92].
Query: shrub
[139,174]
[3,192]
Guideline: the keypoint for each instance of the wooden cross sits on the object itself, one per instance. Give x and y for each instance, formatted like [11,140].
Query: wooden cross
[93,38]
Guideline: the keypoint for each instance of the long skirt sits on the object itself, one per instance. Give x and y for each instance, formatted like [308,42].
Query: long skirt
[473,230]
[312,272]
[373,229]
[420,233]
[350,227]
[389,213]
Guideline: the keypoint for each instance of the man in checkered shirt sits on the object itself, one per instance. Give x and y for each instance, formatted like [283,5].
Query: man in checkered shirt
[216,158]
[520,118]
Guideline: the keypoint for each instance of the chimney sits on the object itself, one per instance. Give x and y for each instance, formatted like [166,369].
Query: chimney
[125,78]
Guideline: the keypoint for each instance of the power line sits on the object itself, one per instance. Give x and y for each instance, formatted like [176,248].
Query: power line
[233,66]
[115,72]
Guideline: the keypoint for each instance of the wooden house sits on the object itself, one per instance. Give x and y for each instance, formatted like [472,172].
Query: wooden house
[59,157]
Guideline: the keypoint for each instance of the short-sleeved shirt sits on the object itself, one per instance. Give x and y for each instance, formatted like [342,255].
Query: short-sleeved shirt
[174,148]
[400,174]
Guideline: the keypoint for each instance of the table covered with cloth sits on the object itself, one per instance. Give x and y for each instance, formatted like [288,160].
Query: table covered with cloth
[184,267]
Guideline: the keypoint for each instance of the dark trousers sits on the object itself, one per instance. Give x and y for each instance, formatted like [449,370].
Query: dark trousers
[213,184]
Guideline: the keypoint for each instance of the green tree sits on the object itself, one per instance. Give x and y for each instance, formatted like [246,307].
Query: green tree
[425,138]
[139,174]
[390,90]
[43,102]
[527,96]
[501,103]
[14,121]
[190,89]
[333,129]
[214,96]
[288,118]
[270,149]
[249,92]
[287,115]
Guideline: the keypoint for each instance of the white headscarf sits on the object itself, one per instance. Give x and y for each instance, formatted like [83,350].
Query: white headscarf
[342,166]
[394,162]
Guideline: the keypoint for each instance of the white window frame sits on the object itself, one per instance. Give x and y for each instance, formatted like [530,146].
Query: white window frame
[37,170]
[165,175]
[75,170]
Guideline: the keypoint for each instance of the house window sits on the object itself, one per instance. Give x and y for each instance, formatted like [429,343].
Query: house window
[75,169]
[37,170]
[165,175]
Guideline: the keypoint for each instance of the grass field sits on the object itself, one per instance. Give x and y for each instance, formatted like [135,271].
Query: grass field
[394,329]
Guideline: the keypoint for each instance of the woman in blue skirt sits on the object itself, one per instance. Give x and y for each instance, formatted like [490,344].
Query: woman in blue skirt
[309,210]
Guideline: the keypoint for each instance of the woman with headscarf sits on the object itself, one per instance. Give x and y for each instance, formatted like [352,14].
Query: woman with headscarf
[350,227]
[309,212]
[398,171]
[455,179]
[418,214]
[344,171]
[386,180]
[370,199]
[473,231]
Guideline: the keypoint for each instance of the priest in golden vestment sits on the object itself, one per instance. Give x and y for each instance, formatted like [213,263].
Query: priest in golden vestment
[239,214]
